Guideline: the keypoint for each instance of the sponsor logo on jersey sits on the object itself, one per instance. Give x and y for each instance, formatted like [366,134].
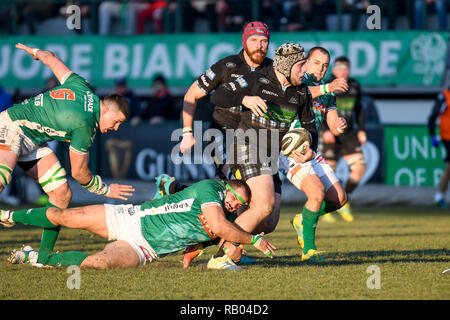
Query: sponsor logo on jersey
[182,206]
[234,75]
[233,86]
[230,65]
[204,81]
[293,100]
[242,82]
[264,80]
[131,211]
[38,127]
[319,106]
[270,93]
[39,100]
[89,102]
[211,75]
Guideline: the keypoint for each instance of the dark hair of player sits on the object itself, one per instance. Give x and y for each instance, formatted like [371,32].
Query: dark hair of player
[241,184]
[159,78]
[342,59]
[121,103]
[321,49]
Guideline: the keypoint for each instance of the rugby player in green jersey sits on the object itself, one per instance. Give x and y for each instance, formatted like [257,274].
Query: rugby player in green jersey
[148,231]
[315,177]
[71,113]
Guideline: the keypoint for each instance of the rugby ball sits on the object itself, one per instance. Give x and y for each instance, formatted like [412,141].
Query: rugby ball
[295,139]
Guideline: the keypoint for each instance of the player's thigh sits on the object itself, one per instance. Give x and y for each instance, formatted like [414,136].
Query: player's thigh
[52,178]
[269,224]
[263,194]
[336,194]
[117,254]
[90,218]
[313,187]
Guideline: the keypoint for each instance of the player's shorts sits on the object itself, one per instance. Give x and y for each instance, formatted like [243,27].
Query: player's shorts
[446,144]
[346,144]
[244,171]
[124,224]
[221,156]
[12,138]
[296,172]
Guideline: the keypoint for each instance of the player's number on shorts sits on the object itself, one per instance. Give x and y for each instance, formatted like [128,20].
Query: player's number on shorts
[62,94]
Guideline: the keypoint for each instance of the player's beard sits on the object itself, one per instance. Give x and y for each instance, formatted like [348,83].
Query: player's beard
[257,56]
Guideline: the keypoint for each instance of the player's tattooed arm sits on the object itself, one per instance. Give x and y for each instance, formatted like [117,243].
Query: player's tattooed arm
[226,230]
[50,59]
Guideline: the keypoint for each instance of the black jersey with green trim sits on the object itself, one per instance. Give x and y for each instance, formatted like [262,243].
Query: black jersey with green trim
[224,71]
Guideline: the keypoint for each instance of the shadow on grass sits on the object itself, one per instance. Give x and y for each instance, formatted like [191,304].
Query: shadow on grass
[360,257]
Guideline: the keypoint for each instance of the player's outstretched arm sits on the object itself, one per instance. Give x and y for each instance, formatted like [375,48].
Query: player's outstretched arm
[50,59]
[81,173]
[333,86]
[226,230]
[191,97]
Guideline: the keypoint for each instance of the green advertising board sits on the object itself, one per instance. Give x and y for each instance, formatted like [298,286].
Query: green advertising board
[379,58]
[410,159]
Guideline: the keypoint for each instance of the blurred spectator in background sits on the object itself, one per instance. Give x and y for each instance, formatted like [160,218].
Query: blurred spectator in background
[420,8]
[5,100]
[35,12]
[121,87]
[154,12]
[125,11]
[237,13]
[303,15]
[160,106]
[273,14]
[441,109]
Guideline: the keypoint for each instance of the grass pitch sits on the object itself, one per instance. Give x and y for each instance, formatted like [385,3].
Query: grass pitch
[409,245]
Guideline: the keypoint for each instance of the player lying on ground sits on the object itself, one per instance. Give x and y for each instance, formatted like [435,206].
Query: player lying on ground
[315,178]
[148,231]
[71,113]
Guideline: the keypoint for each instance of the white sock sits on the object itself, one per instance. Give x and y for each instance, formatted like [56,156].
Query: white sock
[438,196]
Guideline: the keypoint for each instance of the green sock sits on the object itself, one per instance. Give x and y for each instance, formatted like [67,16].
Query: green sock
[327,207]
[34,217]
[309,221]
[66,259]
[48,240]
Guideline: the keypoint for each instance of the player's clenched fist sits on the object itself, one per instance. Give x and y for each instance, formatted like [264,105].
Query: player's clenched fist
[187,142]
[263,245]
[338,85]
[340,125]
[307,155]
[256,104]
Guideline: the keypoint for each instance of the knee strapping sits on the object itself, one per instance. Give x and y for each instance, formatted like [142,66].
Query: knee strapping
[359,161]
[5,175]
[53,178]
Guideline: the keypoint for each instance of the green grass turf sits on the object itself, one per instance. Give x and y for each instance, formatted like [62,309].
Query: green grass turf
[409,245]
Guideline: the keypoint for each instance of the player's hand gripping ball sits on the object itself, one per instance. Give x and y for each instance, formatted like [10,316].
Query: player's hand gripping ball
[295,139]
